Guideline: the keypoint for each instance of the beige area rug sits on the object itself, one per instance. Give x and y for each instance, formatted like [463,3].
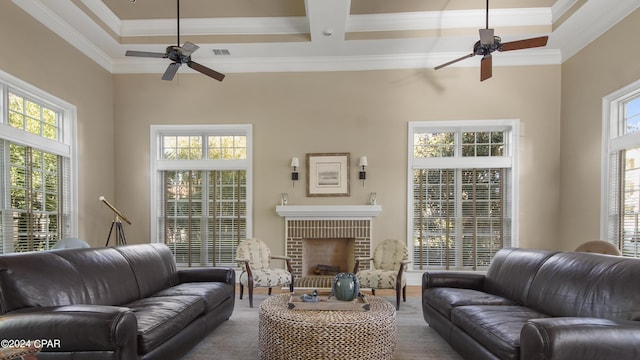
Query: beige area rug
[237,338]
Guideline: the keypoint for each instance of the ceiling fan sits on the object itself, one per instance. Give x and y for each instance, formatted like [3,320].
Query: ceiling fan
[489,43]
[179,55]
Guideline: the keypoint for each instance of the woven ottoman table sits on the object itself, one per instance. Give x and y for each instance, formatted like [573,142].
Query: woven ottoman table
[285,333]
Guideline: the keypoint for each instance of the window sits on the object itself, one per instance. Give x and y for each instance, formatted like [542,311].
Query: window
[37,168]
[462,196]
[621,170]
[202,191]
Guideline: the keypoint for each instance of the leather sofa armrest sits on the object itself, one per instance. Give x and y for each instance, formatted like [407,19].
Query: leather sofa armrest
[213,274]
[579,338]
[75,328]
[431,279]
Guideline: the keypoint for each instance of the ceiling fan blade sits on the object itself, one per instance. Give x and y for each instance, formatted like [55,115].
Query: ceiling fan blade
[486,36]
[453,61]
[189,48]
[145,54]
[524,44]
[486,67]
[205,70]
[171,71]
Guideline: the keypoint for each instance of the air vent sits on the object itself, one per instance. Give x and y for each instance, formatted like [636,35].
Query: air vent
[221,52]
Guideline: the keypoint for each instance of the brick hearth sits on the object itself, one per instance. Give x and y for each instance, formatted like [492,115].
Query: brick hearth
[348,222]
[299,230]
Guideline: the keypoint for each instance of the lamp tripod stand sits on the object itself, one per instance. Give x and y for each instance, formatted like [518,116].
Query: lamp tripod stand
[117,224]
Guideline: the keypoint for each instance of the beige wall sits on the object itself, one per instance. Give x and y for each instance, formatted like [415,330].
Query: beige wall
[606,65]
[34,54]
[363,113]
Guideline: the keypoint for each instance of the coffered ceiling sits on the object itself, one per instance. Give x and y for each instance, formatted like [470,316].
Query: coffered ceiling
[322,35]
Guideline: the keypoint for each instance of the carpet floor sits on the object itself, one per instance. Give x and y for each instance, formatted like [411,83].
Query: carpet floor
[237,338]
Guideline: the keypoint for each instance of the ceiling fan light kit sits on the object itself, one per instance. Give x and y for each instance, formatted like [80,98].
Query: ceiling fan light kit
[489,43]
[178,55]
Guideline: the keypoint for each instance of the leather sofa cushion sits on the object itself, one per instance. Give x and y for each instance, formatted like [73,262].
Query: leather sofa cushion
[104,274]
[161,317]
[213,293]
[444,299]
[512,272]
[495,327]
[587,285]
[65,277]
[153,267]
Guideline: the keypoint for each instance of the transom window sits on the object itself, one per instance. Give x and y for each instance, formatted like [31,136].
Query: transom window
[462,195]
[33,117]
[473,144]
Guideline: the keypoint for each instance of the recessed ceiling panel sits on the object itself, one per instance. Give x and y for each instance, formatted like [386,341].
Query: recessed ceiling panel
[166,9]
[359,7]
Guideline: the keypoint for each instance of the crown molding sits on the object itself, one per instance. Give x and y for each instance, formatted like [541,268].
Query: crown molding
[65,19]
[340,63]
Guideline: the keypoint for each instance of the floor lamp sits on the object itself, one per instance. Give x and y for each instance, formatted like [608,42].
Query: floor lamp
[116,223]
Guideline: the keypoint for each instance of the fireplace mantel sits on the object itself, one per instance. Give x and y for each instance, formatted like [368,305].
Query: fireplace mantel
[307,212]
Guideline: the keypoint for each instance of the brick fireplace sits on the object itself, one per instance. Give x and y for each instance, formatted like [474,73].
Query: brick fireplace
[327,235]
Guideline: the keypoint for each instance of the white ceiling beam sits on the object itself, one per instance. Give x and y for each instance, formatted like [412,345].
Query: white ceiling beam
[327,20]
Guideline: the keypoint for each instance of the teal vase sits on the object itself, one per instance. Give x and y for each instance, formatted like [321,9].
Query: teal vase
[346,286]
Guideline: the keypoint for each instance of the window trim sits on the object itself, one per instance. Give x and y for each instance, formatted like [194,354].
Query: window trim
[511,157]
[613,140]
[66,146]
[157,165]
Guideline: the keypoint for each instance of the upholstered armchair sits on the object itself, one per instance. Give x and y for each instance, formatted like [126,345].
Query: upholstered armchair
[389,260]
[600,247]
[256,257]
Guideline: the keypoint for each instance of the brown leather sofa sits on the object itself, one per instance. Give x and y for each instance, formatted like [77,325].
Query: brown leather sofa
[538,304]
[126,302]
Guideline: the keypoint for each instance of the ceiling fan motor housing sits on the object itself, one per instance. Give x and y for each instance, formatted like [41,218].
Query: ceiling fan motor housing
[174,53]
[485,49]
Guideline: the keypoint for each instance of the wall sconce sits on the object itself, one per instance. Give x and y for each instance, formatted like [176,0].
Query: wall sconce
[295,163]
[363,174]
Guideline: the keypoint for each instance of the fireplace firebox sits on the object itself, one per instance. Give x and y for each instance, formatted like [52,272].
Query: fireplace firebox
[319,238]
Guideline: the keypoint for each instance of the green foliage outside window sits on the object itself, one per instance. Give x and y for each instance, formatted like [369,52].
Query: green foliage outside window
[34,177]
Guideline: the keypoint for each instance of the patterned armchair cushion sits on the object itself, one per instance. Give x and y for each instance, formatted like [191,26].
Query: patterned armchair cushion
[267,278]
[256,251]
[379,279]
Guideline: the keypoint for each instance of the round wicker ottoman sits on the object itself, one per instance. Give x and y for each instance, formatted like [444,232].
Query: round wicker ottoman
[314,334]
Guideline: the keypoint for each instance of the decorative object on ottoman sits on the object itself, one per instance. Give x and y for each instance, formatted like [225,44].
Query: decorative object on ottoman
[324,300]
[313,297]
[346,286]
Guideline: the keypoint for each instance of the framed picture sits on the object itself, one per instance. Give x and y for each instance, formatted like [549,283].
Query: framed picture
[328,174]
